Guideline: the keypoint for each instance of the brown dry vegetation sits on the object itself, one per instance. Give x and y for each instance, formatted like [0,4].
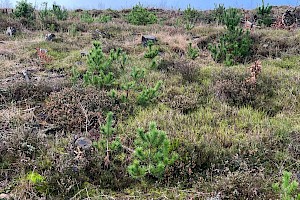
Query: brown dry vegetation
[233,138]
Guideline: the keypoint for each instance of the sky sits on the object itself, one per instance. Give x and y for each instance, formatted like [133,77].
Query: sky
[167,4]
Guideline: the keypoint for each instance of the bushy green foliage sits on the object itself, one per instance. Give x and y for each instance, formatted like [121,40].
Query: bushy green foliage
[98,72]
[99,66]
[86,17]
[190,14]
[148,94]
[218,13]
[59,13]
[264,14]
[192,53]
[232,18]
[44,12]
[24,9]
[288,188]
[137,73]
[235,44]
[141,16]
[104,19]
[107,130]
[189,26]
[38,181]
[152,52]
[152,153]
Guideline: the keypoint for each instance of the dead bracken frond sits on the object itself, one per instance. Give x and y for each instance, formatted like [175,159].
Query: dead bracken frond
[255,70]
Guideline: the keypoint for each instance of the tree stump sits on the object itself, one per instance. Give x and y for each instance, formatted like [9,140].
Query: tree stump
[147,38]
[83,143]
[289,19]
[11,31]
[49,37]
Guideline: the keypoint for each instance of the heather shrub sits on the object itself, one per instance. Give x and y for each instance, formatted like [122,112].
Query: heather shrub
[231,86]
[82,104]
[187,70]
[184,99]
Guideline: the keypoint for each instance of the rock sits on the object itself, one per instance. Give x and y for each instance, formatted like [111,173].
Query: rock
[84,53]
[79,63]
[26,76]
[4,196]
[146,38]
[83,143]
[97,34]
[78,10]
[289,18]
[265,45]
[49,37]
[11,31]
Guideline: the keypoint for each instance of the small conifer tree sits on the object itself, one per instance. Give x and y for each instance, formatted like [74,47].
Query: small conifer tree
[25,10]
[192,53]
[152,52]
[141,16]
[99,67]
[264,14]
[148,94]
[288,188]
[235,44]
[108,142]
[152,154]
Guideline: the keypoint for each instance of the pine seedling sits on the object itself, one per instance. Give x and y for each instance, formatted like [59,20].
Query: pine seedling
[152,154]
[109,143]
[148,94]
[137,74]
[189,26]
[288,188]
[264,14]
[75,75]
[107,130]
[96,58]
[98,72]
[141,16]
[234,45]
[128,86]
[152,52]
[192,53]
[190,14]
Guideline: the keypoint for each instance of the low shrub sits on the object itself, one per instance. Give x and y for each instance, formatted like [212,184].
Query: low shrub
[86,17]
[29,92]
[187,70]
[141,16]
[231,86]
[181,98]
[152,154]
[75,109]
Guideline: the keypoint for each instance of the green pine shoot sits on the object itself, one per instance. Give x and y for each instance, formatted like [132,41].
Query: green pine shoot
[152,153]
